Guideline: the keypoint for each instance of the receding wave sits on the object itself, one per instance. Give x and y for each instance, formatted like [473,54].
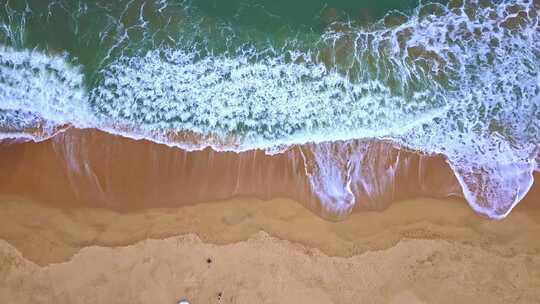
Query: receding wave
[458,80]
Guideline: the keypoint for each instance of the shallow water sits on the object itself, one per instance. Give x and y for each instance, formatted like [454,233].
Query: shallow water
[457,79]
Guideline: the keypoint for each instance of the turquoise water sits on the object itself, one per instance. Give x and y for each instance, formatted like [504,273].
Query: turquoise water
[93,33]
[459,78]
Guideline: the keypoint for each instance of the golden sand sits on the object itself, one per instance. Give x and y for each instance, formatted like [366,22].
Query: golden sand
[252,251]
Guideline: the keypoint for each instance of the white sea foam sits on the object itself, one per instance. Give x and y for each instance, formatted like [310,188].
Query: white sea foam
[261,104]
[38,93]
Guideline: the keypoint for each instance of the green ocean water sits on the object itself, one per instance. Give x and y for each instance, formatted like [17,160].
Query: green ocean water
[273,16]
[90,31]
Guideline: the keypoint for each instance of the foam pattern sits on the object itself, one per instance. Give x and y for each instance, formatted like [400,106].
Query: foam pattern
[38,93]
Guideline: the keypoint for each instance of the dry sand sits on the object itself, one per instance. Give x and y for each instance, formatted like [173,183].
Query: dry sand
[251,251]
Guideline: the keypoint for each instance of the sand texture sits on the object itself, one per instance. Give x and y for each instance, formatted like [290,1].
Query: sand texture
[250,251]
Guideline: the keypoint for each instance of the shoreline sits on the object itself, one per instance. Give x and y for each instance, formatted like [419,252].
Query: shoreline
[96,169]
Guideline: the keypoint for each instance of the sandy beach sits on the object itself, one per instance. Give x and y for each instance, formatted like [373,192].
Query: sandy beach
[88,217]
[253,251]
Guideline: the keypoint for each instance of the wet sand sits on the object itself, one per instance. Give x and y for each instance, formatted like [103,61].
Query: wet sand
[253,251]
[96,169]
